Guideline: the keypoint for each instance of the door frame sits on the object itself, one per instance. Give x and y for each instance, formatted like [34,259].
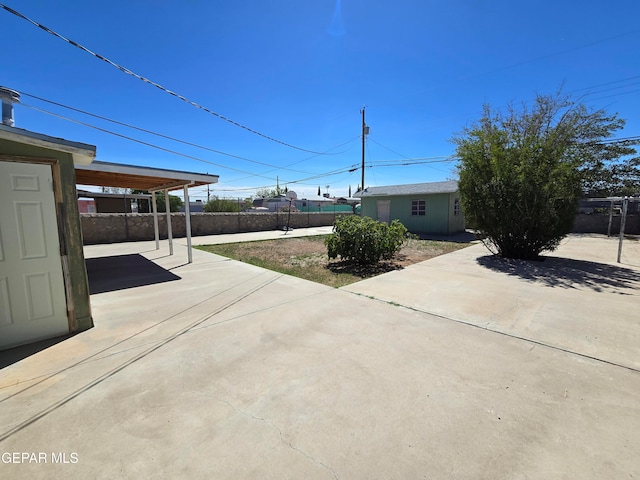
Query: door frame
[63,253]
[386,205]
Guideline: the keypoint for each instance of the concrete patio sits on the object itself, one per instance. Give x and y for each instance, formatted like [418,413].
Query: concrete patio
[462,366]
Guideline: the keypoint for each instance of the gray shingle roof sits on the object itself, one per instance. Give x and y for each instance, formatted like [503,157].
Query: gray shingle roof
[450,186]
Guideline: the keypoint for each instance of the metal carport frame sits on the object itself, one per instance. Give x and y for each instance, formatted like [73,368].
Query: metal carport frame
[625,204]
[105,174]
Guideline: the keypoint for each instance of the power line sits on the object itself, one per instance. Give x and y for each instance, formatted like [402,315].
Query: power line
[192,157]
[168,150]
[597,92]
[387,148]
[155,133]
[146,80]
[332,173]
[303,160]
[569,50]
[413,161]
[465,78]
[629,140]
[613,95]
[368,154]
[276,168]
[409,161]
[606,84]
[402,161]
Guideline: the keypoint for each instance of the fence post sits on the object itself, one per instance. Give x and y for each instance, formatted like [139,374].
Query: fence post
[623,221]
[610,219]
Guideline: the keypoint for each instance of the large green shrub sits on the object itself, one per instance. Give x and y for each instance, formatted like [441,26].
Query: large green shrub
[521,171]
[365,241]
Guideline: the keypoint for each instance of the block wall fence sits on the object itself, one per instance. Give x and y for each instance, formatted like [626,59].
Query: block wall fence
[599,223]
[117,227]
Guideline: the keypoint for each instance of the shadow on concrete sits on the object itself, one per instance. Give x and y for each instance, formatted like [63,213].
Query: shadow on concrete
[364,271]
[15,354]
[107,274]
[567,273]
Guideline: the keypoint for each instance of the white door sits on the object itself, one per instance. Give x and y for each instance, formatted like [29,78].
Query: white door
[32,295]
[383,210]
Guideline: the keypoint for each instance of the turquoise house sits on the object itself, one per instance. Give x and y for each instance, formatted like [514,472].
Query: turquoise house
[429,208]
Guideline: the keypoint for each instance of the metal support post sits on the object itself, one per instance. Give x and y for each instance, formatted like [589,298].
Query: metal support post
[623,221]
[167,207]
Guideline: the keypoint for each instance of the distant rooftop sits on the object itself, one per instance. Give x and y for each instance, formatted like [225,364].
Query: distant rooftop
[449,186]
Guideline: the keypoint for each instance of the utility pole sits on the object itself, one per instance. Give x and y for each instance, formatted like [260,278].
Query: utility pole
[365,132]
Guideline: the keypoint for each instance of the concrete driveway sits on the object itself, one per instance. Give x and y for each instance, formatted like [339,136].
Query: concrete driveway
[578,299]
[459,367]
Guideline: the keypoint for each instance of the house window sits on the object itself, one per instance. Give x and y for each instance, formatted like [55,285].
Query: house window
[418,207]
[456,207]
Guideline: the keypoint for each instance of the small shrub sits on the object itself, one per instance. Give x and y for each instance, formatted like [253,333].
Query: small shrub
[365,241]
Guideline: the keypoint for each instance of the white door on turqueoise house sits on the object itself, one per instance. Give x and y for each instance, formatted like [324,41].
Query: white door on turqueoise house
[33,304]
[383,210]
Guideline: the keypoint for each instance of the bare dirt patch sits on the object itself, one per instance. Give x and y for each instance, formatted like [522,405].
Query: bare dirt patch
[306,257]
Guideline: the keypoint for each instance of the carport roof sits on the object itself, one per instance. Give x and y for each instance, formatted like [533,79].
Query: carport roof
[105,174]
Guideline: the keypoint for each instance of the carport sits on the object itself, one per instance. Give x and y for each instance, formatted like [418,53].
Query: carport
[106,174]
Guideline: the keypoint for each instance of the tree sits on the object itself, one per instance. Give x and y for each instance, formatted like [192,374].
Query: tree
[521,172]
[271,192]
[615,178]
[144,205]
[174,202]
[216,204]
[264,193]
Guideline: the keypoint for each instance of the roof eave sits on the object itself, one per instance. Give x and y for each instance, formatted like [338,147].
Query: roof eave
[82,153]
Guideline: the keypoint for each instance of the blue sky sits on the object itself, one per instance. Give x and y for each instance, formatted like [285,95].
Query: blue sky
[300,72]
